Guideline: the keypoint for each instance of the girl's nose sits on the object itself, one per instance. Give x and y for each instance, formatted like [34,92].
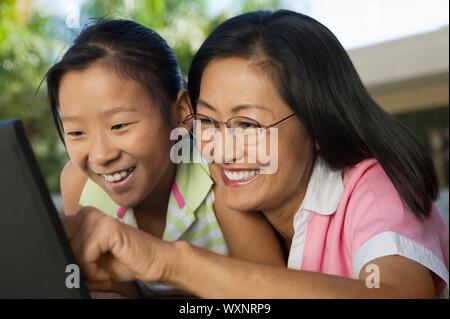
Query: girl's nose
[102,150]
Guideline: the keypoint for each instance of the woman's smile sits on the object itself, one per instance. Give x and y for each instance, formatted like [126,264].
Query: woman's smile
[235,177]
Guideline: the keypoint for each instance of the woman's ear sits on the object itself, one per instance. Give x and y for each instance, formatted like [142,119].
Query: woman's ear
[181,108]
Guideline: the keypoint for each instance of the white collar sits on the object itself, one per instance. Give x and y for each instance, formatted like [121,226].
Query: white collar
[324,190]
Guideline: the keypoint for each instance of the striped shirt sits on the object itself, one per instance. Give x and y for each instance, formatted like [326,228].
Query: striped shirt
[190,211]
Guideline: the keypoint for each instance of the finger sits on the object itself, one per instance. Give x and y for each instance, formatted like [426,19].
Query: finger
[84,232]
[71,223]
[97,276]
[94,246]
[87,222]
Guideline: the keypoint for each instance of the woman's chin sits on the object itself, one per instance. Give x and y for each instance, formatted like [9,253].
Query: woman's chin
[241,201]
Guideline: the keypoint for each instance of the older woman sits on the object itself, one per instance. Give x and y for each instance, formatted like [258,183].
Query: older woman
[352,198]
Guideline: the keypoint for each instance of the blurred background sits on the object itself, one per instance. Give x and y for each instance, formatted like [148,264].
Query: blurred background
[399,47]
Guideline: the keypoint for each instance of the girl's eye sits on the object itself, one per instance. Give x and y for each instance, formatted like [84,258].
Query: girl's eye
[119,126]
[75,134]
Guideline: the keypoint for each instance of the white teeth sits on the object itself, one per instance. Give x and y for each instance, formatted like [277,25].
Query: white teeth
[240,175]
[118,176]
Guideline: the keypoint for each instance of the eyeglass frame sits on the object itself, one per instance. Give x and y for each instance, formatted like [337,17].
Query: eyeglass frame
[218,124]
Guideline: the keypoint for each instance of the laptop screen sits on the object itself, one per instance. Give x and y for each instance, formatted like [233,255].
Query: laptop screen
[34,253]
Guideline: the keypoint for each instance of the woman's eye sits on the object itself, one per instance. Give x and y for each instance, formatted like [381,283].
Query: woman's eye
[207,122]
[119,126]
[245,125]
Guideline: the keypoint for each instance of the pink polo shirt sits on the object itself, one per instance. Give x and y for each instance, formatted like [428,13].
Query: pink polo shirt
[352,216]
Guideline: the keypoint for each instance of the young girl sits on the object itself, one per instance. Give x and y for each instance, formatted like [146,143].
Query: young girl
[115,97]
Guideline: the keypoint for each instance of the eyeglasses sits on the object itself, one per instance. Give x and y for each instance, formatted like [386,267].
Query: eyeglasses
[239,126]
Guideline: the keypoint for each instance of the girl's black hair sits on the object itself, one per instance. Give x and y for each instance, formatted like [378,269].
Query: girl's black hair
[315,77]
[131,50]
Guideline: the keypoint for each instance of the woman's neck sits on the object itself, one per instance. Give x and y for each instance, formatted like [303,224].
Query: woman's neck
[282,216]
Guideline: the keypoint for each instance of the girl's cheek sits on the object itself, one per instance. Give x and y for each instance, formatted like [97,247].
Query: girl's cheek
[76,154]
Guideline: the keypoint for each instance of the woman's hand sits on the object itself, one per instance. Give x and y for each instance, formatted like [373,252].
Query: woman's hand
[109,251]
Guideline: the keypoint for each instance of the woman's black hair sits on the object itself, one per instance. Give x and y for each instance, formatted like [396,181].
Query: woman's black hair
[131,50]
[316,78]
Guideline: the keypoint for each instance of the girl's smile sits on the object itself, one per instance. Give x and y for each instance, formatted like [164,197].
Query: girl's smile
[119,180]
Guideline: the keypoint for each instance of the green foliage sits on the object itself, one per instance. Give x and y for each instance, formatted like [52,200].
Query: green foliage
[249,5]
[24,59]
[184,24]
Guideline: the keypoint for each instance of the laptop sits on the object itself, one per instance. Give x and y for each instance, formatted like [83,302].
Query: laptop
[36,260]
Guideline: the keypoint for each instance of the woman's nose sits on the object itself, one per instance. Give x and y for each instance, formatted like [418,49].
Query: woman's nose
[102,150]
[228,148]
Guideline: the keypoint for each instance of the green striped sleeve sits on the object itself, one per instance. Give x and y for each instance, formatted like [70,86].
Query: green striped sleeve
[203,231]
[219,241]
[177,222]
